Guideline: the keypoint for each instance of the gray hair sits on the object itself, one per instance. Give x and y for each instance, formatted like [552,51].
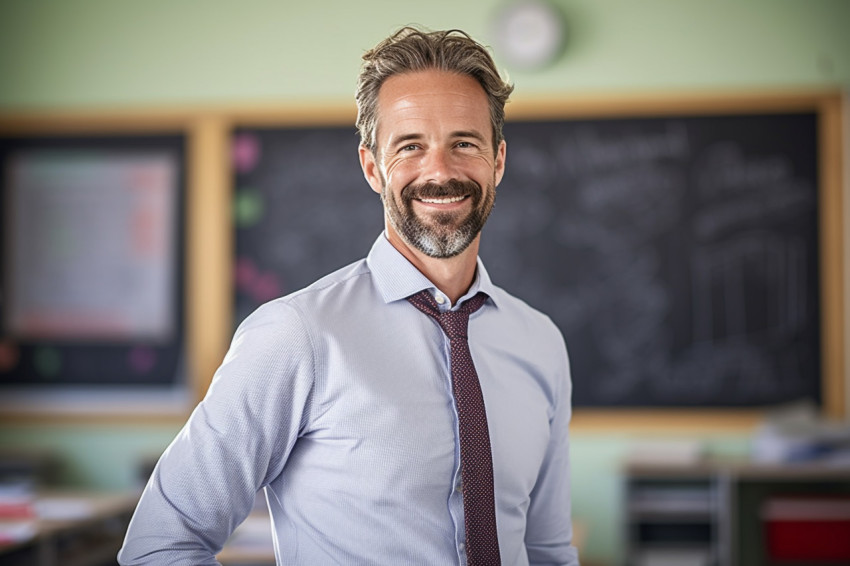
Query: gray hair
[410,49]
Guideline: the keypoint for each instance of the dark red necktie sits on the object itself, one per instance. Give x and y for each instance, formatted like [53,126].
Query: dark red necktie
[479,510]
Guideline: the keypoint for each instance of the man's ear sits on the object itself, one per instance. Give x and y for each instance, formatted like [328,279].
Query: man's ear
[370,168]
[500,161]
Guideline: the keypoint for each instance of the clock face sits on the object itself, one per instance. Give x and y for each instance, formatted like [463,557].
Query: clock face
[529,34]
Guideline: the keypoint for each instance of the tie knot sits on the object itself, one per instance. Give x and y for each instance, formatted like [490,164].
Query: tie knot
[454,323]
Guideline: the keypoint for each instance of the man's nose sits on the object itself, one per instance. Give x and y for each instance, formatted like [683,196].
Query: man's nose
[439,167]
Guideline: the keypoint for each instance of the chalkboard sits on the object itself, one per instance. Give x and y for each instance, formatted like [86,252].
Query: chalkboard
[301,209]
[678,254]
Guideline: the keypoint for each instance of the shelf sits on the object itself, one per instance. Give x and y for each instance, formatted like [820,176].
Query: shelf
[671,505]
[720,514]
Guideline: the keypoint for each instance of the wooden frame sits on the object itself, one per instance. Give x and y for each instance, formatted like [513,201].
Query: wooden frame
[209,308]
[121,123]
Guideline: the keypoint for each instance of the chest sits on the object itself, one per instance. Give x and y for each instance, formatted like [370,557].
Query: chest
[387,405]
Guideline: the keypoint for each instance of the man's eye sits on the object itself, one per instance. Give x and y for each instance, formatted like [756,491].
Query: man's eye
[465,145]
[410,147]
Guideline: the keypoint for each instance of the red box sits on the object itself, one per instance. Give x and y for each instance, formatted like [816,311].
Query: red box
[807,528]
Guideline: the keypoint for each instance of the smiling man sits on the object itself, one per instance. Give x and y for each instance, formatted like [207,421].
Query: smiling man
[436,163]
[404,409]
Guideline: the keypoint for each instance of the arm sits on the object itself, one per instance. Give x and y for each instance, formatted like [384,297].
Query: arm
[549,533]
[236,441]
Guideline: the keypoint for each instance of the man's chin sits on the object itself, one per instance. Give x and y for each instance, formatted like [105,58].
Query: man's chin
[440,244]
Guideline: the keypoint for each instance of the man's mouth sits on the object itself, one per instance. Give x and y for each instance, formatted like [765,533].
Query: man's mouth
[444,200]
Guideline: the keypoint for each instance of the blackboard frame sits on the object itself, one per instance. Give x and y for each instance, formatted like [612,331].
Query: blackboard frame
[210,249]
[145,356]
[828,106]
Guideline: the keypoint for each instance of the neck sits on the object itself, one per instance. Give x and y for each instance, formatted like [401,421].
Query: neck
[452,276]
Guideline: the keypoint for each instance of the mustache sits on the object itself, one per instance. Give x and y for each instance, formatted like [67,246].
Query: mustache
[452,188]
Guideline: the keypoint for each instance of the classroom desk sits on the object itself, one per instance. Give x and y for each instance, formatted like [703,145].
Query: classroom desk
[83,529]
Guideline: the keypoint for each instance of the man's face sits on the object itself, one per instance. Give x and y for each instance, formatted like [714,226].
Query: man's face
[434,166]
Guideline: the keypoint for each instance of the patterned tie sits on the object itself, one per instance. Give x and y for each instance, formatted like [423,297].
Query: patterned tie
[479,510]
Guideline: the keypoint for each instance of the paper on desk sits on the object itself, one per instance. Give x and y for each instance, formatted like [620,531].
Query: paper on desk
[63,508]
[798,433]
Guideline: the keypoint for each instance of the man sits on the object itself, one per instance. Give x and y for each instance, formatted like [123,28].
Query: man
[378,438]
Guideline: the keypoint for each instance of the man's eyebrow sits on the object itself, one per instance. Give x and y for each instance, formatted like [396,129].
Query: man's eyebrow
[405,138]
[415,136]
[469,134]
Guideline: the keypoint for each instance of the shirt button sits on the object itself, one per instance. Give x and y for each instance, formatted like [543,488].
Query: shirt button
[461,547]
[440,299]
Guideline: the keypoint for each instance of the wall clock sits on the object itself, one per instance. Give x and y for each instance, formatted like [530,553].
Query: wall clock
[529,34]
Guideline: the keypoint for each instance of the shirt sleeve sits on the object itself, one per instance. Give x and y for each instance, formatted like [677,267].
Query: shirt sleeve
[235,442]
[548,538]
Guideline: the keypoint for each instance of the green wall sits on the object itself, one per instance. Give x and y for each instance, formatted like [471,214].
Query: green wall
[111,53]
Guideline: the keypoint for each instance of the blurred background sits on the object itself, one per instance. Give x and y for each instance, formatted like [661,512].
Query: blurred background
[200,86]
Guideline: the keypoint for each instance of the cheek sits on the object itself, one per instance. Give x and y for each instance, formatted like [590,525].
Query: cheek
[399,174]
[401,168]
[402,172]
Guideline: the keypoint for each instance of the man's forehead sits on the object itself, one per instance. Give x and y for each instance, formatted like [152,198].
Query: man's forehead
[410,101]
[431,83]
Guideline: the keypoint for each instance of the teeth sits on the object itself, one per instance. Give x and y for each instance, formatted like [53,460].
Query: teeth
[442,200]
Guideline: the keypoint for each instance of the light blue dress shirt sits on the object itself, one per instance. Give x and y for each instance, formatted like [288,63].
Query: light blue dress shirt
[337,400]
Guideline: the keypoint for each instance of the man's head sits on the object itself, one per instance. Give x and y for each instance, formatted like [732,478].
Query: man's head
[431,115]
[409,50]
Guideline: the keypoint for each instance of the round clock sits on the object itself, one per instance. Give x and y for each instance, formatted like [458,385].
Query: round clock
[529,34]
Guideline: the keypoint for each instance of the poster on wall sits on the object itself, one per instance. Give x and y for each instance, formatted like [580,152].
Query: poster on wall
[91,295]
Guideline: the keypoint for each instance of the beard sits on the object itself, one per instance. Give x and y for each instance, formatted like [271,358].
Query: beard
[440,235]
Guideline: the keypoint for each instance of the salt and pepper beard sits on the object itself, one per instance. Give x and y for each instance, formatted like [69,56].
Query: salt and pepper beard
[443,234]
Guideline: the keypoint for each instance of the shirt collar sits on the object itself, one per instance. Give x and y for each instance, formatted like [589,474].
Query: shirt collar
[396,278]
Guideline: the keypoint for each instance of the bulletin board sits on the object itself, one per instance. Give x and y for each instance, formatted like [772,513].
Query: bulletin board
[93,317]
[93,255]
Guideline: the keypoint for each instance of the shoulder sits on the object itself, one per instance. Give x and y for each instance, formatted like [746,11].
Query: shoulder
[517,333]
[525,332]
[352,274]
[300,311]
[280,337]
[524,317]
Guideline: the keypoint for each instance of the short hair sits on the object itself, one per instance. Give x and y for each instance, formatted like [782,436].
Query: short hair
[410,49]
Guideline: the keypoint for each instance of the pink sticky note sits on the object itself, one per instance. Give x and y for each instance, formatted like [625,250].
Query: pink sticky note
[246,274]
[142,359]
[246,152]
[266,287]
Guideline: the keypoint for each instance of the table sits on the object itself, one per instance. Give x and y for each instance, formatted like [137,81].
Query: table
[72,529]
